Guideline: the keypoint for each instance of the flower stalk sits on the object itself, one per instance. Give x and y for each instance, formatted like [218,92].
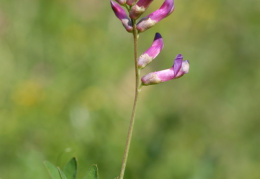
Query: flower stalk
[137,91]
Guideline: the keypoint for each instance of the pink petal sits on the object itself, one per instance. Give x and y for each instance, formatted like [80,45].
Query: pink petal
[139,8]
[121,15]
[153,18]
[152,52]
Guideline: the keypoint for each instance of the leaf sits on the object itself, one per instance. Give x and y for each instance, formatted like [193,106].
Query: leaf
[52,169]
[92,173]
[70,169]
[62,175]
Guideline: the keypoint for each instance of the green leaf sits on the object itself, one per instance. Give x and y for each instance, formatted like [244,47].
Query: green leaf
[70,169]
[92,173]
[62,175]
[52,169]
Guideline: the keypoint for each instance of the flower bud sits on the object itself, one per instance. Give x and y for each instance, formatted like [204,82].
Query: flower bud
[152,52]
[121,15]
[122,2]
[153,18]
[130,2]
[179,68]
[138,9]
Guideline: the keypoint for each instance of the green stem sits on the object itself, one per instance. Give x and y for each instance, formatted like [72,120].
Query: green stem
[137,91]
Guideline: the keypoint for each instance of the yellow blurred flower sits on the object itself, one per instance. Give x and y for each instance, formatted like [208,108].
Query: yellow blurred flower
[28,93]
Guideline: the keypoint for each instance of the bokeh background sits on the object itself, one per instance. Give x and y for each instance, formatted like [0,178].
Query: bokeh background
[67,83]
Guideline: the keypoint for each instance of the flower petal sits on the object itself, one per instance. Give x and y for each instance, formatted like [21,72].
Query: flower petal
[184,69]
[152,52]
[122,2]
[153,18]
[121,15]
[181,68]
[177,64]
[139,8]
[130,2]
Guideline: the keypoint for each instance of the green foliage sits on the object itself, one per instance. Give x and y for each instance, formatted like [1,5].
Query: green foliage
[62,174]
[92,173]
[53,170]
[70,170]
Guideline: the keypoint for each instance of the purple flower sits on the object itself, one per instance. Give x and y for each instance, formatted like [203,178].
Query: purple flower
[138,9]
[152,52]
[153,18]
[121,15]
[122,2]
[130,2]
[179,68]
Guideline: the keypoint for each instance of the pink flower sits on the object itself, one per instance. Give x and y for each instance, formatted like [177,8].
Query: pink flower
[121,15]
[130,2]
[139,8]
[153,18]
[122,2]
[179,68]
[152,52]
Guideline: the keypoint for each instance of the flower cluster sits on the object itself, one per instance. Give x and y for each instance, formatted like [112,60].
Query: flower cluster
[135,10]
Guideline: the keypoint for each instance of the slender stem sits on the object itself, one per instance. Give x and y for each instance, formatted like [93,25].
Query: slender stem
[137,91]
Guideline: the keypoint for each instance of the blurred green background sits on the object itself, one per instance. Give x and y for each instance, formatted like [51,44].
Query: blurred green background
[67,83]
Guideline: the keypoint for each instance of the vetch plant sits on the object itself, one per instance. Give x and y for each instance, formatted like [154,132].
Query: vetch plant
[128,12]
[132,25]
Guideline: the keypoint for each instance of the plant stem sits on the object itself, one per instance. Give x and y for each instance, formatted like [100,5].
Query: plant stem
[137,91]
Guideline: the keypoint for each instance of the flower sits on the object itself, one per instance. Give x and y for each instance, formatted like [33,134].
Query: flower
[152,52]
[179,68]
[121,15]
[138,9]
[122,2]
[130,2]
[153,18]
